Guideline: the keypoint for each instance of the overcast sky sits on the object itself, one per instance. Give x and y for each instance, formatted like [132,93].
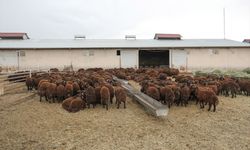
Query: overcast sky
[116,18]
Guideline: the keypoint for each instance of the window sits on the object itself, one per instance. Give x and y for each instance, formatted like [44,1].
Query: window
[88,53]
[118,52]
[91,53]
[213,51]
[21,53]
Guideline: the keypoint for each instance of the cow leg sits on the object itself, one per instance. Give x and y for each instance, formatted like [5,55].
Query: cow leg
[209,106]
[111,100]
[124,105]
[197,101]
[214,107]
[200,105]
[118,105]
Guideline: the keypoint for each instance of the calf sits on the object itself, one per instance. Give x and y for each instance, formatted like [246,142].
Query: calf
[167,95]
[90,96]
[76,105]
[69,90]
[185,94]
[121,96]
[111,91]
[73,104]
[206,95]
[153,92]
[51,92]
[76,88]
[29,83]
[105,96]
[60,92]
[230,86]
[42,90]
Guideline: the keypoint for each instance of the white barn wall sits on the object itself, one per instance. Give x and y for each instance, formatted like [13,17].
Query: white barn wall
[78,58]
[8,58]
[197,58]
[226,58]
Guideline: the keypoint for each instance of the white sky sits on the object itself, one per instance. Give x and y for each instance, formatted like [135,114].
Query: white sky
[117,18]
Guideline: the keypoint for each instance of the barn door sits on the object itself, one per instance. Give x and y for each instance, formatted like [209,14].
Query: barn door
[179,59]
[129,58]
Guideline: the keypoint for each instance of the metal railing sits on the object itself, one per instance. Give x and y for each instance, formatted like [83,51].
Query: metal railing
[13,80]
[10,81]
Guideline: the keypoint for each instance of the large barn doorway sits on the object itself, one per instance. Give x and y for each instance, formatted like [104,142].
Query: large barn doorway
[153,58]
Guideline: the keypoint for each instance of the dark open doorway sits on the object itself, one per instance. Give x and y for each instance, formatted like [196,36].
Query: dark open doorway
[153,58]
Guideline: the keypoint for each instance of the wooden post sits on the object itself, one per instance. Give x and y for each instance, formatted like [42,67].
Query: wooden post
[30,73]
[1,88]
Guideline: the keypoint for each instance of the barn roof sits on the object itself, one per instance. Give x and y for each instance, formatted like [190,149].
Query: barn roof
[247,40]
[118,43]
[159,36]
[15,35]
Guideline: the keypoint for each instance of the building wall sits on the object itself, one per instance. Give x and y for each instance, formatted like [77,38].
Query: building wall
[45,59]
[221,58]
[8,58]
[197,58]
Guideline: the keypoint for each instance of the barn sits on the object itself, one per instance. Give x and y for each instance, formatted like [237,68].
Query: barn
[19,52]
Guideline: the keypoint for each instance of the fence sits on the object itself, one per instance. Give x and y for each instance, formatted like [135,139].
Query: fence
[11,81]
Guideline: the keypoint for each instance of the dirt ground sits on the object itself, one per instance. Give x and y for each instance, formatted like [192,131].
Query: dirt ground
[30,124]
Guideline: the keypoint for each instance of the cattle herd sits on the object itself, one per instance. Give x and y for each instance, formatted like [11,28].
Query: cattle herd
[78,90]
[83,88]
[168,86]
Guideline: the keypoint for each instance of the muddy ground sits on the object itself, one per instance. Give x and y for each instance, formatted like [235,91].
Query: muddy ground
[30,124]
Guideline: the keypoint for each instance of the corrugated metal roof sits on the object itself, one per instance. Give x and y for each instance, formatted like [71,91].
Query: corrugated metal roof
[117,43]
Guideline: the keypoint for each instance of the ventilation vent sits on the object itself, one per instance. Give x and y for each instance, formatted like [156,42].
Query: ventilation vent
[80,37]
[130,37]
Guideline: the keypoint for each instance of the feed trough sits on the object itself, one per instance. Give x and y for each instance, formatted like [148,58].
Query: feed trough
[151,105]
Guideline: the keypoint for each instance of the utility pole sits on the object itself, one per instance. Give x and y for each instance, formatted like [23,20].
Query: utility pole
[224,23]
